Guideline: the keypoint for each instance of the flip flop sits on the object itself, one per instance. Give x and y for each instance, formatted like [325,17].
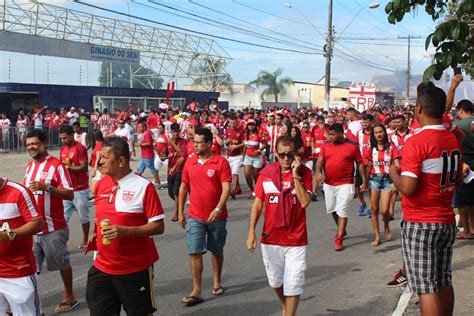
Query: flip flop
[174,218]
[218,291]
[462,236]
[65,306]
[192,300]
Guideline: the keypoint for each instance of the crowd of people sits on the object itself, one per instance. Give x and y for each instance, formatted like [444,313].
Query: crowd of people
[421,153]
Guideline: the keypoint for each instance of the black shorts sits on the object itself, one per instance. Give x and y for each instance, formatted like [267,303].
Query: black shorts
[105,293]
[358,178]
[174,181]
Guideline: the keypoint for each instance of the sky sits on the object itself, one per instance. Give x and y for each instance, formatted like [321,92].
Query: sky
[367,38]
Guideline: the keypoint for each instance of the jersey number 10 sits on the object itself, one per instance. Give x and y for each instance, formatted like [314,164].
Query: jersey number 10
[450,162]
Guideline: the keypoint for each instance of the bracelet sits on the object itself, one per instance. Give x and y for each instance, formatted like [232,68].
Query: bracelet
[297,177]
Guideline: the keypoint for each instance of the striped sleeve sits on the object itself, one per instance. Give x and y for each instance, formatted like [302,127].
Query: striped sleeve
[63,178]
[26,203]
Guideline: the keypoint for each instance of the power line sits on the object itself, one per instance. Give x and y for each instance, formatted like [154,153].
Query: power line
[195,32]
[384,22]
[226,25]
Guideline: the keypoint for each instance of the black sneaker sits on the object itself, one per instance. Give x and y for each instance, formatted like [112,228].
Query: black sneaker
[399,280]
[314,197]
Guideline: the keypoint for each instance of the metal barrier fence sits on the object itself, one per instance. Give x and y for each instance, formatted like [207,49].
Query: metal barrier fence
[13,138]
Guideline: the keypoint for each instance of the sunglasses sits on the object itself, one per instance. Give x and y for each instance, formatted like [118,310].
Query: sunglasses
[290,155]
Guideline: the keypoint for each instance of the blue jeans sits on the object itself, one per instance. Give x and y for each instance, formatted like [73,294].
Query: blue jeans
[147,163]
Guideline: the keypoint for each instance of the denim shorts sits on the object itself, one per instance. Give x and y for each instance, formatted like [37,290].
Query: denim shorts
[147,163]
[202,236]
[256,162]
[380,182]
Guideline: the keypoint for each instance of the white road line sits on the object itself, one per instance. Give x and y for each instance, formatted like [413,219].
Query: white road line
[403,302]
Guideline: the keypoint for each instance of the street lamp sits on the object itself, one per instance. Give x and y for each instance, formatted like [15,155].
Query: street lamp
[373,5]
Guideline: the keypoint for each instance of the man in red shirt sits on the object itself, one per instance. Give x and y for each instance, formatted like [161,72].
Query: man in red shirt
[429,172]
[207,176]
[74,157]
[234,139]
[152,121]
[122,274]
[284,187]
[320,134]
[145,141]
[19,221]
[362,138]
[338,159]
[50,183]
[177,154]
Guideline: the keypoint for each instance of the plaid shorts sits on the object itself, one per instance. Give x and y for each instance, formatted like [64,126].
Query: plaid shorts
[427,253]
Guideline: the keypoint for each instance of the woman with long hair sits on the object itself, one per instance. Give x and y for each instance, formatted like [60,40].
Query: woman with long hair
[295,133]
[253,161]
[97,139]
[381,156]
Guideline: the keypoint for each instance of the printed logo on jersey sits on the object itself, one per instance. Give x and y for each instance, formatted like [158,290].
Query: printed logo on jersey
[127,196]
[210,172]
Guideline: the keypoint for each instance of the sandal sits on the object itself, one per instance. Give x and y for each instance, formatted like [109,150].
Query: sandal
[65,306]
[460,235]
[218,291]
[174,218]
[192,300]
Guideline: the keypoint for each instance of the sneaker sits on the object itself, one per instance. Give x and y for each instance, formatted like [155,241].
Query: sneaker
[398,280]
[369,213]
[314,197]
[339,246]
[362,210]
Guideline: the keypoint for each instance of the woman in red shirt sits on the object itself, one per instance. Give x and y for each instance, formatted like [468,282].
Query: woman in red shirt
[381,156]
[253,161]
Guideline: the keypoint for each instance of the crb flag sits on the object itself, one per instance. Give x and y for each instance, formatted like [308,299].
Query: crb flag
[362,95]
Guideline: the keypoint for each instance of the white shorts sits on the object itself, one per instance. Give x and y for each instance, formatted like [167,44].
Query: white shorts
[235,163]
[21,294]
[160,163]
[285,266]
[338,198]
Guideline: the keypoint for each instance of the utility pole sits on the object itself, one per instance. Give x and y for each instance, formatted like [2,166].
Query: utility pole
[328,53]
[407,80]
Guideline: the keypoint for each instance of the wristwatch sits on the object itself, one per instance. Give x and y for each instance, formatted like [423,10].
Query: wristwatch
[50,189]
[218,210]
[11,235]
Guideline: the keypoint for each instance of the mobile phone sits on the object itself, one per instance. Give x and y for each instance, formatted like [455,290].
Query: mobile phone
[457,71]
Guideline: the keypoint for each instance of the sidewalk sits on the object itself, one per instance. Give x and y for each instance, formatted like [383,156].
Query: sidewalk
[463,280]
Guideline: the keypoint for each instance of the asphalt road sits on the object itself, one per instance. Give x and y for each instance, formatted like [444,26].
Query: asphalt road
[351,282]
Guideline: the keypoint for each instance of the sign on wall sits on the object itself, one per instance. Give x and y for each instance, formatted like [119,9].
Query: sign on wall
[36,45]
[362,95]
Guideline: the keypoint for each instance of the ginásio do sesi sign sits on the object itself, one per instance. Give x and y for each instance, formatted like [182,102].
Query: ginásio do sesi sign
[36,45]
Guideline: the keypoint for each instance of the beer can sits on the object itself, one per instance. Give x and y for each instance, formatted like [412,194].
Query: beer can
[105,223]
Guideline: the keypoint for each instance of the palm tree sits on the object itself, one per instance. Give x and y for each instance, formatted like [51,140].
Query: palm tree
[273,83]
[214,75]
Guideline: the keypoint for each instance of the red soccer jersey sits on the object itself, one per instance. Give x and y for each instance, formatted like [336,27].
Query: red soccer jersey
[153,121]
[291,235]
[191,151]
[97,148]
[382,159]
[252,145]
[17,207]
[207,182]
[52,172]
[131,201]
[146,151]
[236,137]
[434,157]
[363,140]
[216,148]
[173,155]
[307,138]
[339,162]
[161,142]
[73,155]
[399,140]
[319,138]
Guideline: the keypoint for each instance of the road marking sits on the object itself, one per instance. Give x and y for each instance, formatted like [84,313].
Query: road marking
[403,302]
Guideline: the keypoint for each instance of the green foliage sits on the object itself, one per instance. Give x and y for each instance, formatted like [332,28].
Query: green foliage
[146,78]
[272,82]
[453,39]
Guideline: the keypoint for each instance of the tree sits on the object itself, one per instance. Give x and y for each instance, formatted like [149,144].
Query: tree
[214,75]
[272,82]
[143,78]
[453,38]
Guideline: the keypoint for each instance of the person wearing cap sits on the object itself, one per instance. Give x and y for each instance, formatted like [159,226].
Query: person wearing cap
[463,196]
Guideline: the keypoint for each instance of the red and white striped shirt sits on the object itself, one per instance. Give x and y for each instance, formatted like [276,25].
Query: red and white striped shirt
[363,140]
[17,207]
[273,133]
[105,124]
[399,140]
[52,172]
[382,159]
